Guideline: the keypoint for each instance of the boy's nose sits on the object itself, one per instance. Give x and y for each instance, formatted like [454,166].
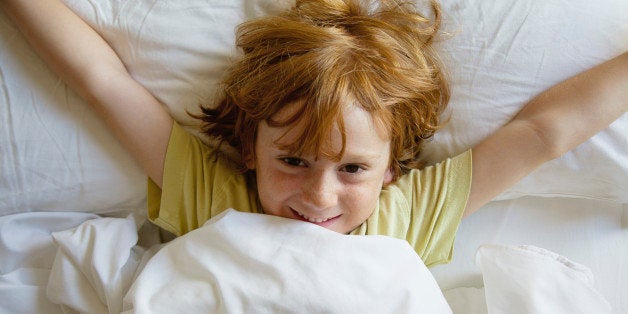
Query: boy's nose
[320,191]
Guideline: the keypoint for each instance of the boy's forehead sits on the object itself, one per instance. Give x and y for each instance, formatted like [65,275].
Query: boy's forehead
[363,137]
[349,112]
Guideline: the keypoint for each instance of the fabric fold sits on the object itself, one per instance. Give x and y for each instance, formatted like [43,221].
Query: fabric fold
[94,265]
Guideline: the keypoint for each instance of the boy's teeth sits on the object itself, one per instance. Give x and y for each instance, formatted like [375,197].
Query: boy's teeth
[315,220]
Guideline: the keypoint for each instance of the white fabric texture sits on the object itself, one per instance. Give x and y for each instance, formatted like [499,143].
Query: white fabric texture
[257,263]
[67,262]
[500,54]
[27,253]
[531,280]
[251,263]
[528,280]
[588,232]
[94,265]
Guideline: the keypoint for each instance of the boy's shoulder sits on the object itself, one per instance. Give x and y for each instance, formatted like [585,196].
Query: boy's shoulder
[187,137]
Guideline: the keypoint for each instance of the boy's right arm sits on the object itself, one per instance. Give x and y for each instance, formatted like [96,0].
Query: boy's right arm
[90,67]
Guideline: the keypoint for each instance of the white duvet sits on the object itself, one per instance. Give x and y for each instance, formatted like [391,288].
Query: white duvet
[250,263]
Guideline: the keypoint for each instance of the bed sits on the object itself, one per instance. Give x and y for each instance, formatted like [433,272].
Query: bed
[74,235]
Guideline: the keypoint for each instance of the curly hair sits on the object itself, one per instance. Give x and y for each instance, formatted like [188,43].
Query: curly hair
[324,54]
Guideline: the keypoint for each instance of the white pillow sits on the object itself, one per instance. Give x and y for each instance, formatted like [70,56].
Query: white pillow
[503,53]
[529,279]
[499,55]
[57,155]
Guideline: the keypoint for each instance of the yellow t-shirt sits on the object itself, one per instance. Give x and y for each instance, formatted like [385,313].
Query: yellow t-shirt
[423,207]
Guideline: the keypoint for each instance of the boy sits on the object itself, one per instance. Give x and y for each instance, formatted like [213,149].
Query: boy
[339,154]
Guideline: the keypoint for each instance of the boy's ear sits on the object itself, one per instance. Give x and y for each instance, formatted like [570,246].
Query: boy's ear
[388,176]
[249,161]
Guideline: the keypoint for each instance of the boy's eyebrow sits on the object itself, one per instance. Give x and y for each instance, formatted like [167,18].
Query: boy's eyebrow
[362,157]
[365,157]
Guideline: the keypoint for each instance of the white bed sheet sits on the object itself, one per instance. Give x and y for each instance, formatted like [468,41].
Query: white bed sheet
[589,232]
[92,268]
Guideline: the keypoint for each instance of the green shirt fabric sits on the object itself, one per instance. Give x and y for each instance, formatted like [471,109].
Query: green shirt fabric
[423,207]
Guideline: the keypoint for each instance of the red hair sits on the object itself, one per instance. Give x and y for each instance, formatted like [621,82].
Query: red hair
[325,54]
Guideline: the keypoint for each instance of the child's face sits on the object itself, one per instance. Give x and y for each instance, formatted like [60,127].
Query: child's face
[335,195]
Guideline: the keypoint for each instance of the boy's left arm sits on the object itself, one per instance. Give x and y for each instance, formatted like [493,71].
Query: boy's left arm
[550,125]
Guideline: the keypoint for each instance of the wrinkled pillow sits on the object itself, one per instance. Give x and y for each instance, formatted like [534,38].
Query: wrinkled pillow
[500,54]
[57,155]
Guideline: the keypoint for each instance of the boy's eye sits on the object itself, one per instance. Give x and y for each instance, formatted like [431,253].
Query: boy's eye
[293,161]
[352,168]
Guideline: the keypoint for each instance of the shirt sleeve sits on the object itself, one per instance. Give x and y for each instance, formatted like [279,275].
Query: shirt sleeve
[425,208]
[197,185]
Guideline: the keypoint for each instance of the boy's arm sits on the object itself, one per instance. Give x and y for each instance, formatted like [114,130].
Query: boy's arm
[550,125]
[90,67]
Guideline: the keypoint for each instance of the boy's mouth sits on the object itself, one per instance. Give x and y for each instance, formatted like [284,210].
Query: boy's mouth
[324,222]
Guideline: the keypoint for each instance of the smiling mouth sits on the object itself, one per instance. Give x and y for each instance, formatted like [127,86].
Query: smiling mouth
[318,221]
